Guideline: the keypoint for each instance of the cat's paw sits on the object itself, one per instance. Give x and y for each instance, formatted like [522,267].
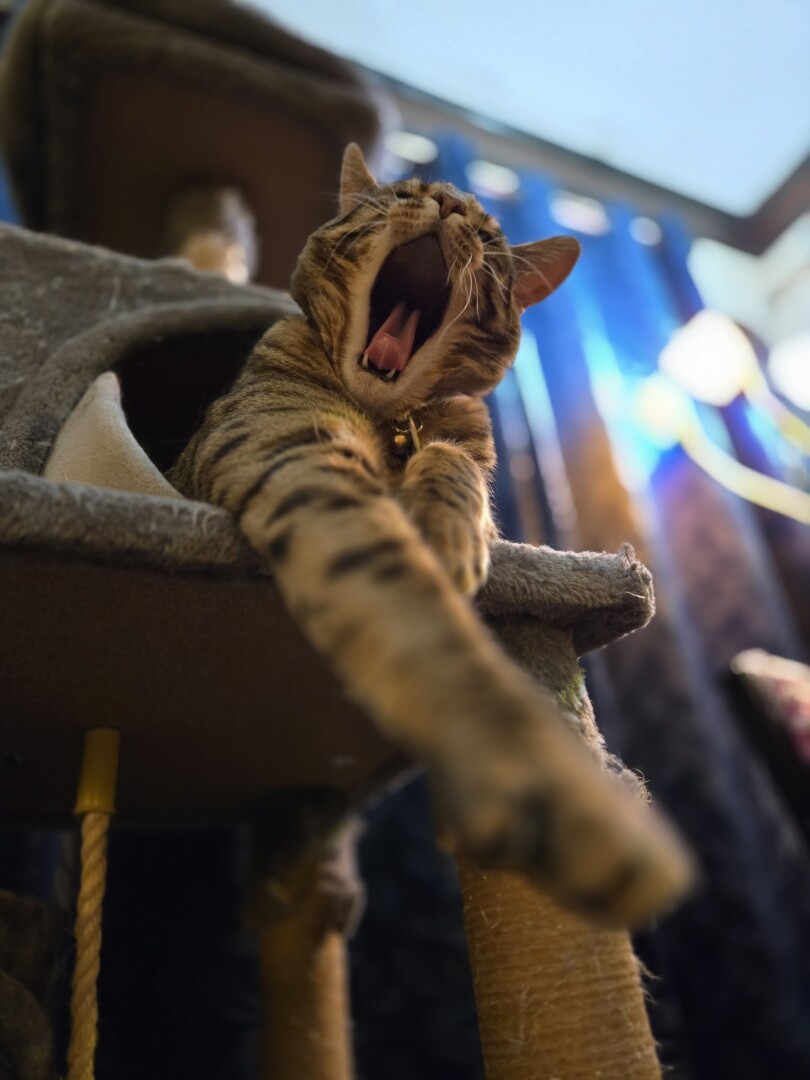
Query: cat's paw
[568,825]
[459,544]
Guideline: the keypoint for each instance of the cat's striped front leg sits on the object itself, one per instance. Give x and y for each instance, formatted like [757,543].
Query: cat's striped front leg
[516,788]
[445,494]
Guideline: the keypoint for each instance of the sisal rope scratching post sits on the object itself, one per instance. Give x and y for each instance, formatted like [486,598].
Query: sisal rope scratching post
[96,801]
[558,999]
[303,912]
[305,1004]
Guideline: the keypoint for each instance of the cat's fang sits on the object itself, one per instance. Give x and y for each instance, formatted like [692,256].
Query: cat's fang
[364,361]
[392,374]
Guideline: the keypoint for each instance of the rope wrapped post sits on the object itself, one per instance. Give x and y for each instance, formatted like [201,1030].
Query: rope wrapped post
[303,914]
[556,996]
[305,1029]
[96,802]
[559,998]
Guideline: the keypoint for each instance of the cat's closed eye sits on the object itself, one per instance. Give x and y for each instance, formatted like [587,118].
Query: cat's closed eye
[403,193]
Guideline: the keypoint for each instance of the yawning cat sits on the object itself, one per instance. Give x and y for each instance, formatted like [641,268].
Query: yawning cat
[355,452]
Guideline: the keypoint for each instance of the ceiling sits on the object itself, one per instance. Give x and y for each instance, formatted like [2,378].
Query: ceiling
[707,98]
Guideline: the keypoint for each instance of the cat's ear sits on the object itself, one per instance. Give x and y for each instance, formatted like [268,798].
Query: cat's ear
[354,177]
[542,266]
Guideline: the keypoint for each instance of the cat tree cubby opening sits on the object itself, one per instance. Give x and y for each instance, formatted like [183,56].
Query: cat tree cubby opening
[167,384]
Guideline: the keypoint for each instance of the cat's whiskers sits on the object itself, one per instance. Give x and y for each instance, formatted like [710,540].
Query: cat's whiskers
[378,202]
[485,266]
[467,274]
[495,252]
[353,237]
[452,268]
[474,277]
[474,289]
[534,268]
[490,272]
[455,318]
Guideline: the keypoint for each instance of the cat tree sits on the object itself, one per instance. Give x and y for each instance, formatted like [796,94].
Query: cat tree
[157,127]
[99,103]
[133,581]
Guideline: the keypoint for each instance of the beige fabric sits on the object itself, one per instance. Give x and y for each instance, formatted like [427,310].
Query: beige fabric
[95,446]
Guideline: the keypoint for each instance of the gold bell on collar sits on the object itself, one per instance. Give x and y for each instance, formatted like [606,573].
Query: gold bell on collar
[406,436]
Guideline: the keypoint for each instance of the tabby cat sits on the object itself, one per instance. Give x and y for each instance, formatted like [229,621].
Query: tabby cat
[355,452]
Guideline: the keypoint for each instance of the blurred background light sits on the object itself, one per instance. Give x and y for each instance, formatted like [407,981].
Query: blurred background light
[789,369]
[411,147]
[494,181]
[646,231]
[711,358]
[662,410]
[579,212]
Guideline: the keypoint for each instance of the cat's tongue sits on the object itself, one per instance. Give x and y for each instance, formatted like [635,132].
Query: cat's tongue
[391,347]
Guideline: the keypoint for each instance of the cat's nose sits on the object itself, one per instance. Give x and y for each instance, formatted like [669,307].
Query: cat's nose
[448,204]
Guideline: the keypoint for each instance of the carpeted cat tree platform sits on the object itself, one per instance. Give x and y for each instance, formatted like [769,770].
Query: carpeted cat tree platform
[143,612]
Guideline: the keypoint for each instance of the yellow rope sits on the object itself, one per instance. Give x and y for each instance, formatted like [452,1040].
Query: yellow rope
[96,801]
[84,1000]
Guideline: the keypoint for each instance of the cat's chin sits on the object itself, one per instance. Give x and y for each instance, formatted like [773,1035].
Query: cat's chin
[376,395]
[388,399]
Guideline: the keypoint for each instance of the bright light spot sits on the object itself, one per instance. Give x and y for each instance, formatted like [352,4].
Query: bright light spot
[731,281]
[411,147]
[579,212]
[646,231]
[789,369]
[487,178]
[711,358]
[661,410]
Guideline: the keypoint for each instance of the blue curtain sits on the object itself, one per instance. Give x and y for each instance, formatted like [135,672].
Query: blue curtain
[731,990]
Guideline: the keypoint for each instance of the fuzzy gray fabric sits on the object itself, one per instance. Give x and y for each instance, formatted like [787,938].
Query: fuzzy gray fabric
[118,527]
[72,311]
[599,597]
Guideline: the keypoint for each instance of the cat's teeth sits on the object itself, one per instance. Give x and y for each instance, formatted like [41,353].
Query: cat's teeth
[365,360]
[390,374]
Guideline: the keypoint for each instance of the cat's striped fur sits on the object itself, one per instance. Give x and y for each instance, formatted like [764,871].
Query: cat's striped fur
[376,553]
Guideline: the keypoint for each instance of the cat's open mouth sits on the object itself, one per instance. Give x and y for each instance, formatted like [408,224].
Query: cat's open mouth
[407,305]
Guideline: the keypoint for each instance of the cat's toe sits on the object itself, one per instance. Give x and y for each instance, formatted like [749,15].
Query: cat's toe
[464,556]
[467,575]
